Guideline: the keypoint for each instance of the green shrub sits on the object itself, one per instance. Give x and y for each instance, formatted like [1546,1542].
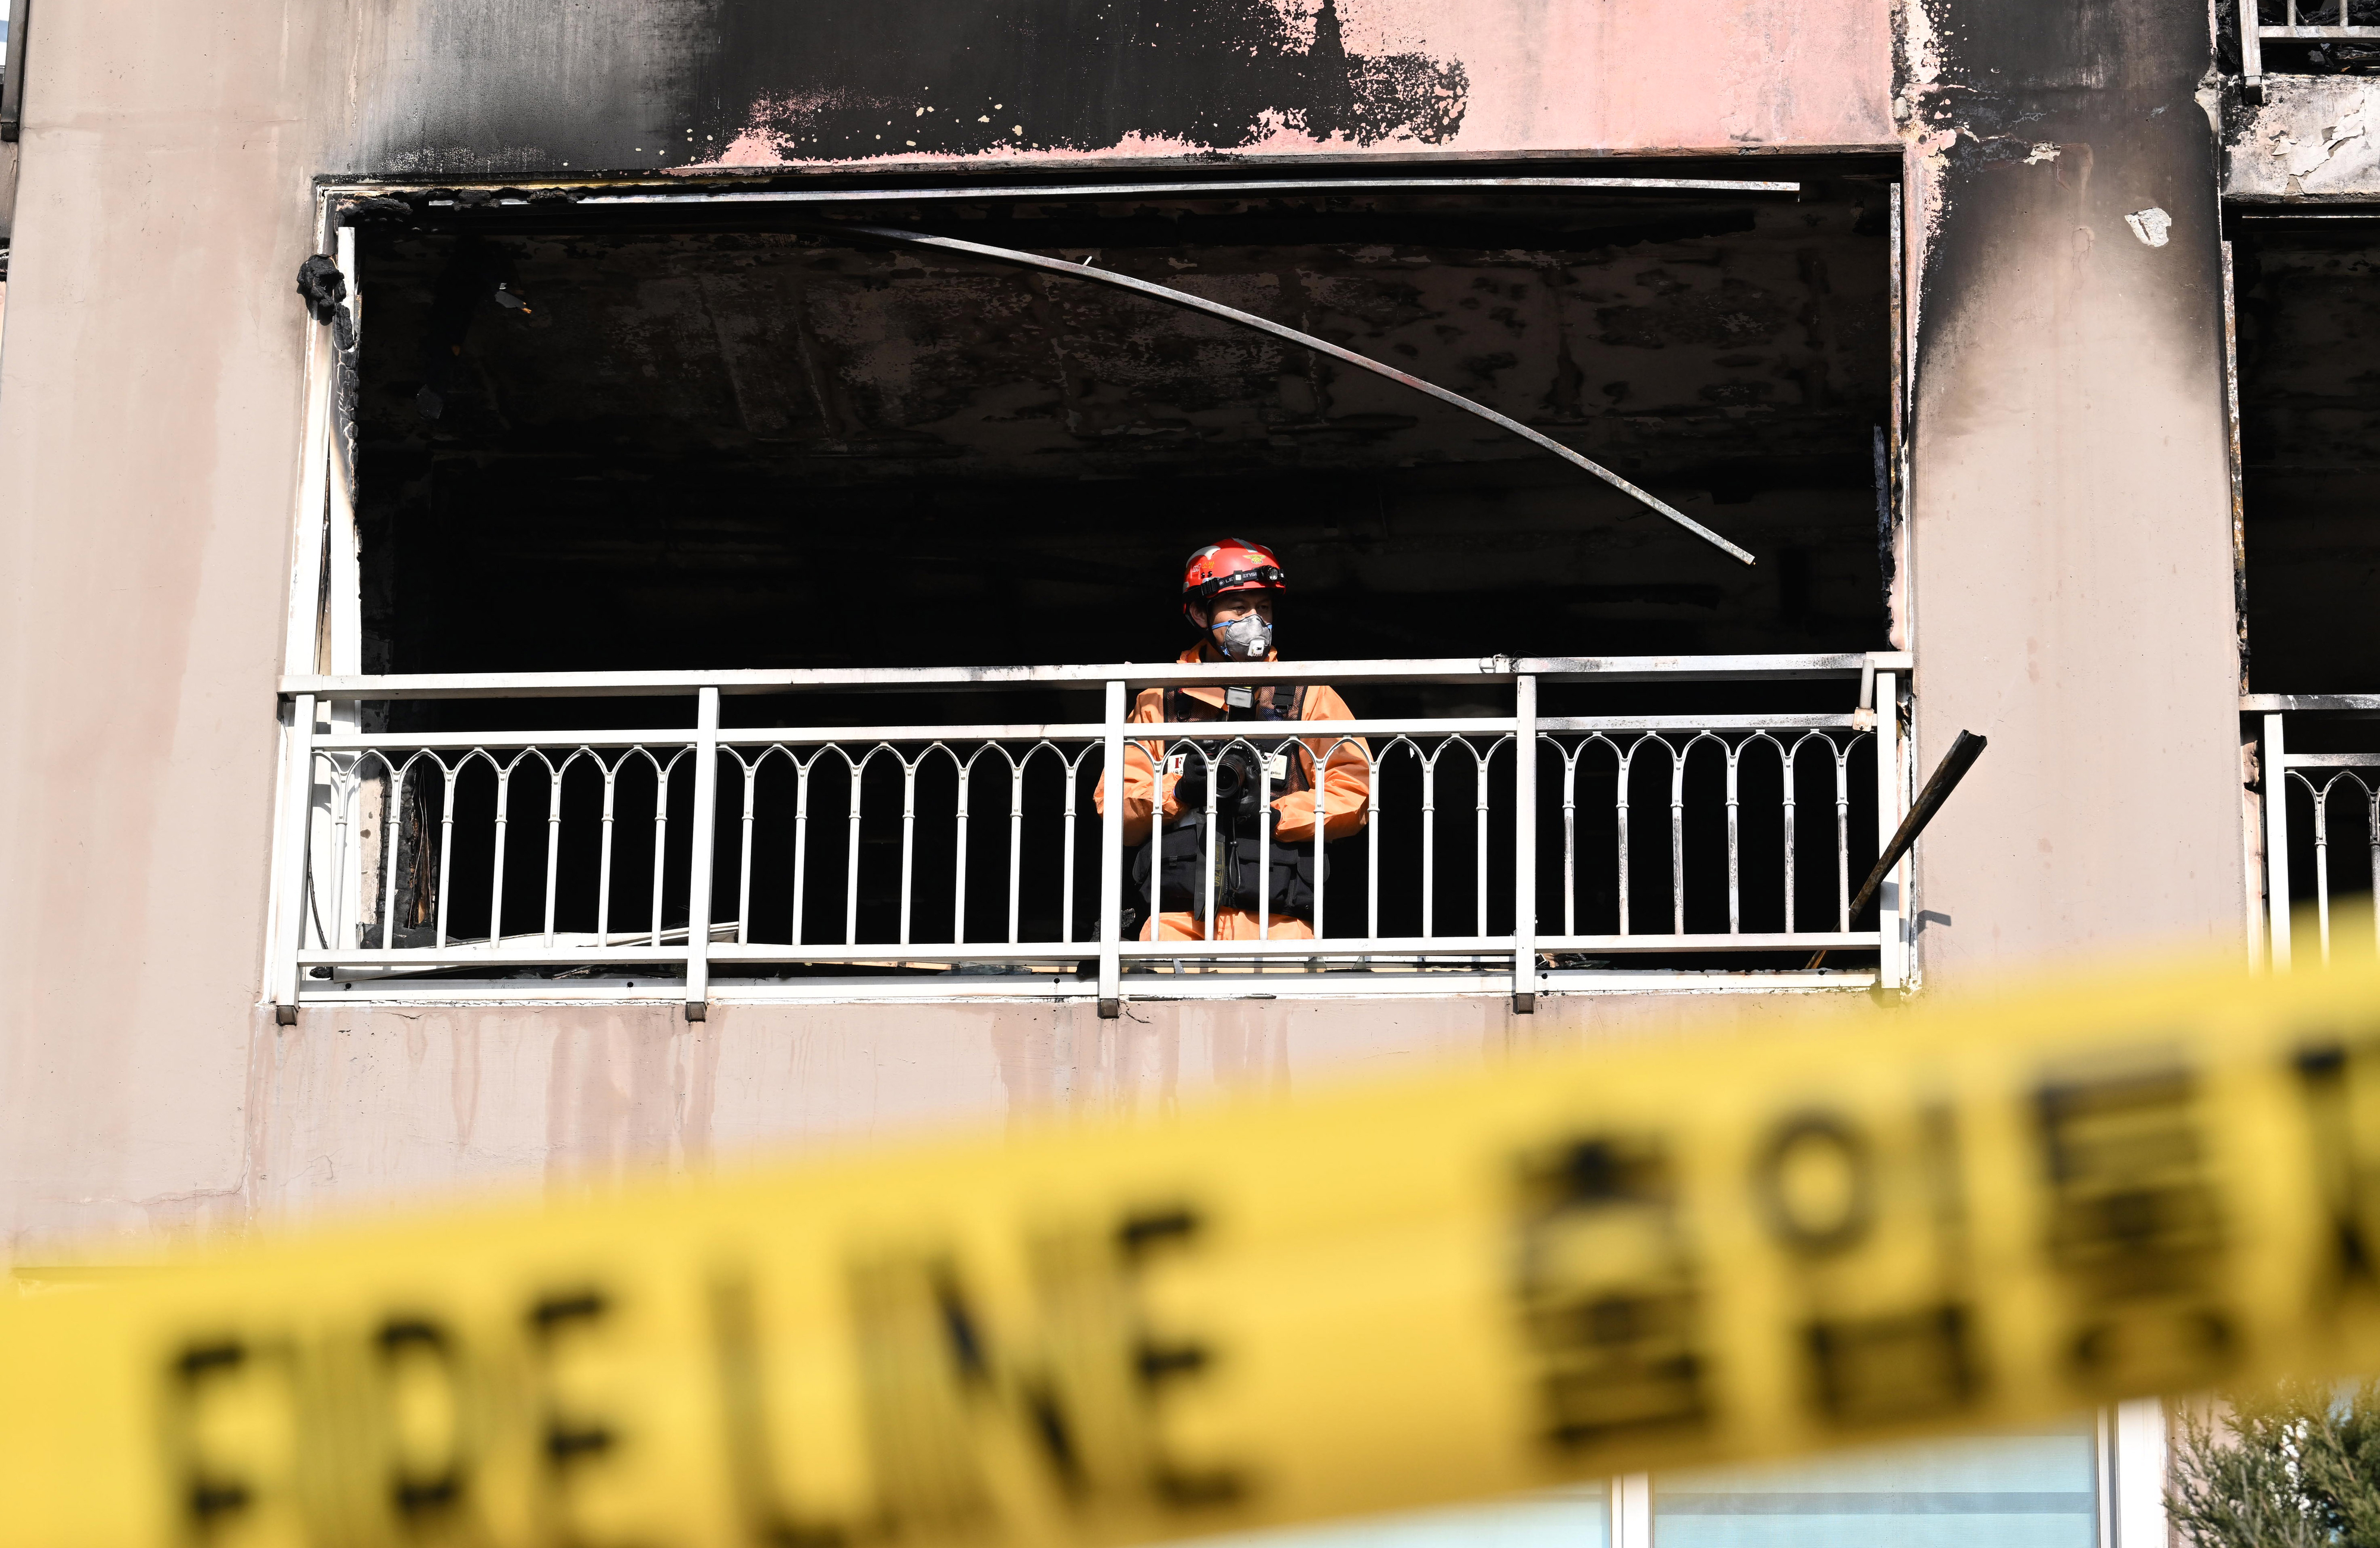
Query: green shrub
[2298,1469]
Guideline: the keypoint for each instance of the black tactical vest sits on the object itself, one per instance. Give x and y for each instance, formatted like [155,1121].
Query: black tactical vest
[1179,848]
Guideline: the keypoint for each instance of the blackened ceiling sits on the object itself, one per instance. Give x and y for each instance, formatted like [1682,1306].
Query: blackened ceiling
[691,419]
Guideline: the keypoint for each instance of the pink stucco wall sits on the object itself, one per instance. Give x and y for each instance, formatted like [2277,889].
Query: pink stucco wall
[1610,77]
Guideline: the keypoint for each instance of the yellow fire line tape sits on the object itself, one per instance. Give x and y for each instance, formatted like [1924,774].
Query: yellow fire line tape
[1456,1286]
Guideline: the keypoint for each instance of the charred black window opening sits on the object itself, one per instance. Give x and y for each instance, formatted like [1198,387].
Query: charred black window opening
[16,21]
[2307,292]
[692,437]
[2314,40]
[768,447]
[2307,299]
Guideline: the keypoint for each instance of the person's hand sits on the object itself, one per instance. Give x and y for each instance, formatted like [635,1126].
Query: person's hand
[1190,787]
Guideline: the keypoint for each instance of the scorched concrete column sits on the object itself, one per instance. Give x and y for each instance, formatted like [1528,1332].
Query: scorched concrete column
[2072,530]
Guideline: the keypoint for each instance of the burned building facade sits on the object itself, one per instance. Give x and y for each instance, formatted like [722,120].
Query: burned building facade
[616,669]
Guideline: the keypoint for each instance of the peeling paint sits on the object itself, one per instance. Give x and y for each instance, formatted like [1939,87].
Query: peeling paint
[1918,73]
[2310,138]
[2301,154]
[2152,226]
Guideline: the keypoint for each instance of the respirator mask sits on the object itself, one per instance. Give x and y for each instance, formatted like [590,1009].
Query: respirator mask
[1246,638]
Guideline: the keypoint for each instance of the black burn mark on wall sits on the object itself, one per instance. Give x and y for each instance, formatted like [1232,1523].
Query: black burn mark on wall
[955,78]
[2060,121]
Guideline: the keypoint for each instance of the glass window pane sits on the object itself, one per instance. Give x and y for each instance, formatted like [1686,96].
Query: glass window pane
[2038,1489]
[1578,1518]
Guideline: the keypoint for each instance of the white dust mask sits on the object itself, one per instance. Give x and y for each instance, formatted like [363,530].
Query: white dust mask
[1245,638]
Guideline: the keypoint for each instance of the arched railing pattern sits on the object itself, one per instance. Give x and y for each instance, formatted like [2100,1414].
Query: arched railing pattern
[870,860]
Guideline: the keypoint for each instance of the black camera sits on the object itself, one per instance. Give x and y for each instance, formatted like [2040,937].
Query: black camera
[1235,777]
[1239,789]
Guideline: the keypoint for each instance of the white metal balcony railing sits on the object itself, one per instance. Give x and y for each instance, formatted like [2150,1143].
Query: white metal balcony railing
[906,862]
[2319,812]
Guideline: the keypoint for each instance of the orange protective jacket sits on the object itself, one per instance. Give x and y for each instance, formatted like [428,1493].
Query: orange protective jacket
[1346,779]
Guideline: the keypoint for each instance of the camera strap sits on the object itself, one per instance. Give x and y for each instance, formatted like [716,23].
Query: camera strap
[1180,707]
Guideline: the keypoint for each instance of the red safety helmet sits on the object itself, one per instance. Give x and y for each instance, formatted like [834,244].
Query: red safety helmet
[1232,565]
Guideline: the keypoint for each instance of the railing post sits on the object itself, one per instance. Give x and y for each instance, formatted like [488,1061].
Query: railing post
[2251,51]
[296,830]
[701,842]
[2252,854]
[1524,845]
[1111,860]
[2277,840]
[1892,785]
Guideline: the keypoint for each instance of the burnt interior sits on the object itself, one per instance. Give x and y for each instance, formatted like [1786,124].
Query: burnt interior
[2308,298]
[742,435]
[781,445]
[2310,55]
[2307,289]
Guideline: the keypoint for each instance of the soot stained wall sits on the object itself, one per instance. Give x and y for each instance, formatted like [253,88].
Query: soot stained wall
[2071,530]
[949,76]
[518,87]
[744,83]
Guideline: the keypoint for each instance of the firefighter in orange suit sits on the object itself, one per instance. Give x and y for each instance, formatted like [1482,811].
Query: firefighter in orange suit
[1227,594]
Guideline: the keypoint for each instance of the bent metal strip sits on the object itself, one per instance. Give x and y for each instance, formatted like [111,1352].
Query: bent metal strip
[1459,1285]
